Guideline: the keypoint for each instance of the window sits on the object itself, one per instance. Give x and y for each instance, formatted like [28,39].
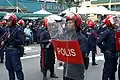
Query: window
[48,7]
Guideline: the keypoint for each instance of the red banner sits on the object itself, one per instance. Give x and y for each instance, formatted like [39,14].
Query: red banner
[68,51]
[117,36]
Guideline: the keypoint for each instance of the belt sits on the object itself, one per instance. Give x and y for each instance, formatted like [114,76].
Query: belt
[10,46]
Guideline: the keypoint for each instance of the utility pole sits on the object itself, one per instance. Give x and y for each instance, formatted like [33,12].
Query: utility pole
[17,8]
[44,7]
[77,4]
[115,5]
[110,4]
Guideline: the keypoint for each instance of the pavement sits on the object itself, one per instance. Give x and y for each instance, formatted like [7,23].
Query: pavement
[31,66]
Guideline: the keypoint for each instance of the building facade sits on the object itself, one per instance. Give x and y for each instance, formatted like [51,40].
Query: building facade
[30,6]
[113,5]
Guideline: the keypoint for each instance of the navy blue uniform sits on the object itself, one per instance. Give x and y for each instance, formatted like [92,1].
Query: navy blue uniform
[106,43]
[101,28]
[48,53]
[13,63]
[92,37]
[21,47]
[2,32]
[39,31]
[85,31]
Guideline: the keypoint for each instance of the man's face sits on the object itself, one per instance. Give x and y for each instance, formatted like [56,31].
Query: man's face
[28,26]
[70,24]
[115,22]
[9,23]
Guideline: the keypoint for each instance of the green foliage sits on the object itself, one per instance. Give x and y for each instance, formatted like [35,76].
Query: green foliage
[69,1]
[60,1]
[65,1]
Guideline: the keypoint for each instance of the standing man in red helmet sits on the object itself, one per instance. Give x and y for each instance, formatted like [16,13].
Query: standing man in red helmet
[106,43]
[92,37]
[47,52]
[12,41]
[20,26]
[73,32]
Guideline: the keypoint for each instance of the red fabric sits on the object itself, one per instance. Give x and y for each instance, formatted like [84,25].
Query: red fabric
[68,51]
[117,36]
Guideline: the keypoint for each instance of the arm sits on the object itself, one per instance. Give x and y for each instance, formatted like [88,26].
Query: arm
[19,39]
[44,38]
[84,45]
[102,37]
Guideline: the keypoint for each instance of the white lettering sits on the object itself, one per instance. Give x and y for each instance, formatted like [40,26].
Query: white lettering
[58,50]
[73,52]
[66,52]
[63,51]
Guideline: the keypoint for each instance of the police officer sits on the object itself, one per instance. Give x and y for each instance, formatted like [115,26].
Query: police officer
[20,26]
[92,37]
[75,71]
[47,53]
[13,39]
[106,43]
[39,30]
[2,33]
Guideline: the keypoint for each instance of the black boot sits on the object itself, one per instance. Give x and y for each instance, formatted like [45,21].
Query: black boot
[94,64]
[44,78]
[53,76]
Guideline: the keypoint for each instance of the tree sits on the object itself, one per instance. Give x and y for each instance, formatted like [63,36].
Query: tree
[61,2]
[67,2]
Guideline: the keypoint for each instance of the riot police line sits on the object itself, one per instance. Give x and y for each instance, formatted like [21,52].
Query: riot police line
[12,41]
[88,37]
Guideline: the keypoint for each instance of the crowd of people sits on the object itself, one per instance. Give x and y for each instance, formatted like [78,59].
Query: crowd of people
[15,33]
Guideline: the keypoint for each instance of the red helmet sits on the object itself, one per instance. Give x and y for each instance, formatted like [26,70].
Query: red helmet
[91,24]
[45,22]
[76,17]
[4,22]
[21,22]
[109,20]
[11,17]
